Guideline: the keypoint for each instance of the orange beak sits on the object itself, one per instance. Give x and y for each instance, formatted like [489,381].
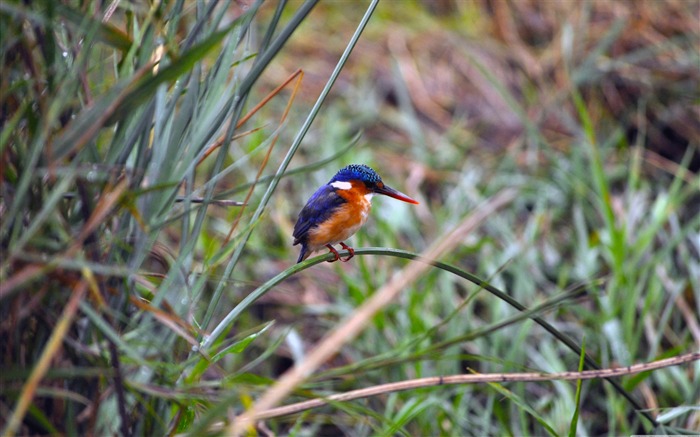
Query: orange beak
[388,191]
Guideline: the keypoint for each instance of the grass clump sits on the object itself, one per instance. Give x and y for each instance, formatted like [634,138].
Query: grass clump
[109,119]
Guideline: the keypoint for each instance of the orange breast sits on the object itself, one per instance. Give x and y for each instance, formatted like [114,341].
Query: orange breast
[347,220]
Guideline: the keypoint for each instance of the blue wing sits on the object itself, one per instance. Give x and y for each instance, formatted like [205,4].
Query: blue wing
[318,209]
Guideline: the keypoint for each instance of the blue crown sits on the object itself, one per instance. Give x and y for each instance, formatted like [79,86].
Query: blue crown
[356,172]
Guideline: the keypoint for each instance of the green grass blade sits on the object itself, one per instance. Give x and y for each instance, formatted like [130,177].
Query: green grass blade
[579,385]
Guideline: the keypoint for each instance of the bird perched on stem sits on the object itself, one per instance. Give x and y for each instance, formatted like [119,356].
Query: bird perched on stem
[339,209]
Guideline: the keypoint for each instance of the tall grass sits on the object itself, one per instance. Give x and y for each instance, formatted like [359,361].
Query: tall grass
[109,126]
[148,284]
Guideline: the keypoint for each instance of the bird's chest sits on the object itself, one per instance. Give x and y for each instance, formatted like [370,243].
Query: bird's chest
[347,220]
[359,211]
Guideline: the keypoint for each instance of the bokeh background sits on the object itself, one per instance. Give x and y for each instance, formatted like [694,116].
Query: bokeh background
[589,111]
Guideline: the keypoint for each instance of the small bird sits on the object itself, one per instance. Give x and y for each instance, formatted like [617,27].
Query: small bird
[339,209]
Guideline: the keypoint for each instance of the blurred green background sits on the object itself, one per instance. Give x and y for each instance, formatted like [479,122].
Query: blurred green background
[119,123]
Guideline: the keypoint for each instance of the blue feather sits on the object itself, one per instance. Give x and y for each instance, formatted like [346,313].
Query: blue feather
[318,209]
[357,172]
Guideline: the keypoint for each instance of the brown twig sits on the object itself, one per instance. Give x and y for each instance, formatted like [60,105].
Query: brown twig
[473,379]
[219,202]
[299,75]
[220,141]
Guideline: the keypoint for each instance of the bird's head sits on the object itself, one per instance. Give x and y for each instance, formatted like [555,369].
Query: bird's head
[357,176]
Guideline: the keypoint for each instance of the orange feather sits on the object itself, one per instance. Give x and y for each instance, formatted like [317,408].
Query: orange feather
[345,221]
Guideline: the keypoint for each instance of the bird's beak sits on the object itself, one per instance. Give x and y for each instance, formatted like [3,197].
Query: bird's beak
[388,191]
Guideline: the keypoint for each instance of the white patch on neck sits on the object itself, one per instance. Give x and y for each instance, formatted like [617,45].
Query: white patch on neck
[340,185]
[368,196]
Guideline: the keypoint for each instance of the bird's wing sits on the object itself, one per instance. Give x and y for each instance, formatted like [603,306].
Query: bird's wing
[317,210]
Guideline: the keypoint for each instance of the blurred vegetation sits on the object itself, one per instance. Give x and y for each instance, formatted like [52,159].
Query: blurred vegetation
[130,130]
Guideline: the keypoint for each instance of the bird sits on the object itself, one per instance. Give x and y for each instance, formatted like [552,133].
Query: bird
[339,209]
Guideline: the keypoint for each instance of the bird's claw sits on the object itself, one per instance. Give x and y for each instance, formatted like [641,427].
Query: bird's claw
[337,255]
[349,249]
[335,252]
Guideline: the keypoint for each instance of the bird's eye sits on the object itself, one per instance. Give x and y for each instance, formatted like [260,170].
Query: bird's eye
[380,184]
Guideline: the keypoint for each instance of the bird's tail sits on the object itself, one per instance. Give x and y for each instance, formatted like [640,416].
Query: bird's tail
[303,254]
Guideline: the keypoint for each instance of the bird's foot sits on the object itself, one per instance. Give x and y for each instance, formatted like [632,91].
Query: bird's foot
[337,255]
[335,252]
[349,249]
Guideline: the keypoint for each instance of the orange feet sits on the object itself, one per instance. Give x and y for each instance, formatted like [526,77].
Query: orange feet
[337,255]
[349,249]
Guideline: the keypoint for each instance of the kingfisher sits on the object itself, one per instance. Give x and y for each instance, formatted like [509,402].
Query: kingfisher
[339,209]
